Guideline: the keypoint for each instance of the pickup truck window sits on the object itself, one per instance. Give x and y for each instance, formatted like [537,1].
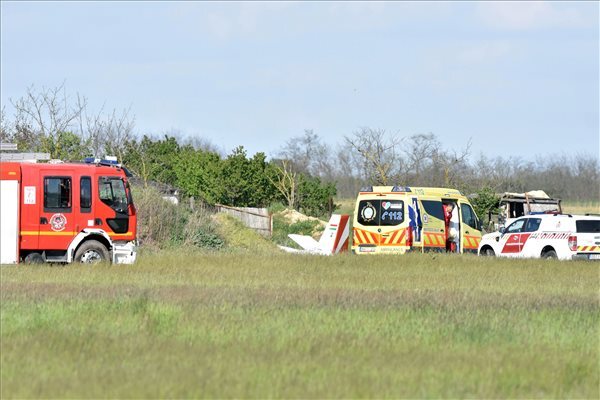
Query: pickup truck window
[532,224]
[516,226]
[588,226]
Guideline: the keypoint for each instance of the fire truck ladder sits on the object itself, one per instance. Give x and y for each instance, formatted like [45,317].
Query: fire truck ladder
[20,157]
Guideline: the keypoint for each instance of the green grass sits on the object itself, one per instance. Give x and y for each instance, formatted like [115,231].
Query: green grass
[238,237]
[345,206]
[188,324]
[282,228]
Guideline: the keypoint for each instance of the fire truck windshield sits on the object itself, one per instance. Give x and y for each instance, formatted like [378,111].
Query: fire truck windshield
[112,193]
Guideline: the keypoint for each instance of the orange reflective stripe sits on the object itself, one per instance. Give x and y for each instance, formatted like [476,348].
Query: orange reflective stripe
[588,248]
[401,238]
[441,240]
[355,239]
[361,236]
[367,237]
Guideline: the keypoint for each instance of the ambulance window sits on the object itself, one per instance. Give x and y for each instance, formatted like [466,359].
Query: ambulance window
[532,224]
[392,212]
[368,212]
[588,226]
[468,215]
[434,208]
[85,194]
[516,226]
[57,194]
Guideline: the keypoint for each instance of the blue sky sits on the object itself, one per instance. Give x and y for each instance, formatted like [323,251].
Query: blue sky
[520,79]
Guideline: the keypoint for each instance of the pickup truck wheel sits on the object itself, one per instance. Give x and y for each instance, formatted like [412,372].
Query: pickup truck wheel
[488,252]
[549,254]
[91,252]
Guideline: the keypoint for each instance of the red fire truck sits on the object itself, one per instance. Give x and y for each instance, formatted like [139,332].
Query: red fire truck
[66,212]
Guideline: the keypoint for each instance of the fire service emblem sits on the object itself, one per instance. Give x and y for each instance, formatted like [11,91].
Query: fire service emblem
[58,222]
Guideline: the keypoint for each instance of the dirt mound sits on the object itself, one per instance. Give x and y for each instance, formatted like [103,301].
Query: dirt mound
[293,216]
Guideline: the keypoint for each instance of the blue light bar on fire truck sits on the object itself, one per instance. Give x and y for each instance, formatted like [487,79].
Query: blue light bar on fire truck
[105,161]
[110,161]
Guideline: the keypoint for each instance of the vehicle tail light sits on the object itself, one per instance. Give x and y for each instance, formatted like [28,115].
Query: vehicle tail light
[409,237]
[573,243]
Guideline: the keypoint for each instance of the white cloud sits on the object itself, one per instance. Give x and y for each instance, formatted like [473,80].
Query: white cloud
[534,15]
[225,20]
[483,53]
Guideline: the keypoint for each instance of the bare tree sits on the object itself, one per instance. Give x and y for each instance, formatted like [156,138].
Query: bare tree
[379,154]
[42,117]
[308,154]
[286,181]
[48,111]
[420,151]
[454,165]
[4,128]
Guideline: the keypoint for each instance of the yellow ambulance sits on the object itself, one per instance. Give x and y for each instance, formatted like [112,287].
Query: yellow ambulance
[397,219]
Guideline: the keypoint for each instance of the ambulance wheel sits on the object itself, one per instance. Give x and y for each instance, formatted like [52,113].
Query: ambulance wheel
[91,252]
[549,254]
[34,258]
[488,252]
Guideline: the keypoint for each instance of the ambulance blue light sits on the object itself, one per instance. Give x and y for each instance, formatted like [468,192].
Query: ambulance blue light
[366,189]
[401,189]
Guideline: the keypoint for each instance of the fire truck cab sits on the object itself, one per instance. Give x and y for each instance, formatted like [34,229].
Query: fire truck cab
[66,212]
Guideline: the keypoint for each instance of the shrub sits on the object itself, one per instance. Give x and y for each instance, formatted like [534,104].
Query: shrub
[162,224]
[282,228]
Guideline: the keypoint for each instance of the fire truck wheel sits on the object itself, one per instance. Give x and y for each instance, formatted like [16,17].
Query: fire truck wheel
[91,252]
[34,258]
[549,254]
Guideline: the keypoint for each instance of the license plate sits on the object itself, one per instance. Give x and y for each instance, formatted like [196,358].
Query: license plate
[594,256]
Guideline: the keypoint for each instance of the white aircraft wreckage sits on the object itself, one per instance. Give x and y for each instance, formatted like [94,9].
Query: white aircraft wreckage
[333,240]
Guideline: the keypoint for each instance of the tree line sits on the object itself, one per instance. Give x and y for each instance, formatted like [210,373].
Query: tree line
[304,174]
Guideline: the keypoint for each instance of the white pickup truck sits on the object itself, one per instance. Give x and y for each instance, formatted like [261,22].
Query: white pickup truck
[562,236]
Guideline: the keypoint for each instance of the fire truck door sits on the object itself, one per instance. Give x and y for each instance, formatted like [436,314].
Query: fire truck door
[113,207]
[56,221]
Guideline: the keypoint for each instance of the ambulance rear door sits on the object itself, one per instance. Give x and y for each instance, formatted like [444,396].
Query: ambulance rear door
[392,230]
[366,230]
[434,228]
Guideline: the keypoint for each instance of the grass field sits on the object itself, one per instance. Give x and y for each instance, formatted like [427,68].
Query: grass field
[581,207]
[272,325]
